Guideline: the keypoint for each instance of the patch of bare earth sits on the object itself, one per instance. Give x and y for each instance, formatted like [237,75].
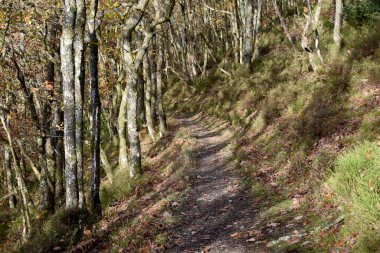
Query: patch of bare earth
[219,214]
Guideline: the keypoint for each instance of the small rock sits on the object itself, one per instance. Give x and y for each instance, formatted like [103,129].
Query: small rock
[166,214]
[251,240]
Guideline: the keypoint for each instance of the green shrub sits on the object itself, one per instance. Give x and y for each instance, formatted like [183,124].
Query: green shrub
[366,43]
[356,184]
[358,12]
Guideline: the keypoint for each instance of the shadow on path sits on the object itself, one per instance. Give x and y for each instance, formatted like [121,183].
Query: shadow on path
[217,206]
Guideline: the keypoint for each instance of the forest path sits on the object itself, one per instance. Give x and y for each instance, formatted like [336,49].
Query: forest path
[219,213]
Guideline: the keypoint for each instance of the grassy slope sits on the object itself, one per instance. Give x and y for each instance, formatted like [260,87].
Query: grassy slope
[294,124]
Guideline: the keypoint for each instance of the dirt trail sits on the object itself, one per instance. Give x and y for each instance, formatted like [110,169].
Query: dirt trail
[218,208]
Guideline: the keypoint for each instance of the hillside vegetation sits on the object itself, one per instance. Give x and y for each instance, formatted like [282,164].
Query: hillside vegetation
[303,136]
[190,126]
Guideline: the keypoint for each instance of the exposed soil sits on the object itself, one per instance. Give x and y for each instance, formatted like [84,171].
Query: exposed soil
[219,213]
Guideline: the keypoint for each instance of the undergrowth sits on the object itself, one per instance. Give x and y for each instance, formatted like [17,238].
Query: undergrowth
[356,184]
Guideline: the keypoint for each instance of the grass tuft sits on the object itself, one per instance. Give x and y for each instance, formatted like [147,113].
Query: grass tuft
[356,184]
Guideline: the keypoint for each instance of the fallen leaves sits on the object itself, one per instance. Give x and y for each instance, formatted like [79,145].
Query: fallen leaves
[207,249]
[237,235]
[273,224]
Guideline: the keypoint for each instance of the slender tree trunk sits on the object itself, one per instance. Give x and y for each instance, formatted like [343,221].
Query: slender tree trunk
[148,96]
[283,24]
[79,93]
[310,35]
[68,82]
[8,175]
[160,93]
[95,110]
[153,100]
[141,96]
[56,131]
[257,29]
[20,182]
[248,40]
[122,118]
[338,22]
[131,97]
[159,70]
[47,131]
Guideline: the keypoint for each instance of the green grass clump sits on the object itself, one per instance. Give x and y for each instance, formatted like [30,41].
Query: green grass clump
[122,186]
[356,183]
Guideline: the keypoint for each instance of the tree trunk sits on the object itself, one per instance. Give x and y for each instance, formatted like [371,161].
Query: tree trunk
[310,35]
[8,174]
[141,96]
[338,22]
[95,110]
[160,93]
[131,100]
[123,149]
[56,131]
[153,100]
[248,40]
[148,96]
[283,24]
[256,52]
[68,82]
[47,131]
[79,93]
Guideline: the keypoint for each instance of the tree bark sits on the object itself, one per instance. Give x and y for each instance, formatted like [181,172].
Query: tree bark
[123,148]
[57,135]
[256,52]
[131,101]
[8,176]
[160,92]
[248,38]
[153,100]
[95,110]
[68,82]
[148,97]
[338,22]
[80,20]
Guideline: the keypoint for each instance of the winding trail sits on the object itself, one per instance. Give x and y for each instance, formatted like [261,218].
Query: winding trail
[218,210]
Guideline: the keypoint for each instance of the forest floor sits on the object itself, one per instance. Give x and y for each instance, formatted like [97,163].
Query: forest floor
[197,201]
[220,214]
[218,209]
